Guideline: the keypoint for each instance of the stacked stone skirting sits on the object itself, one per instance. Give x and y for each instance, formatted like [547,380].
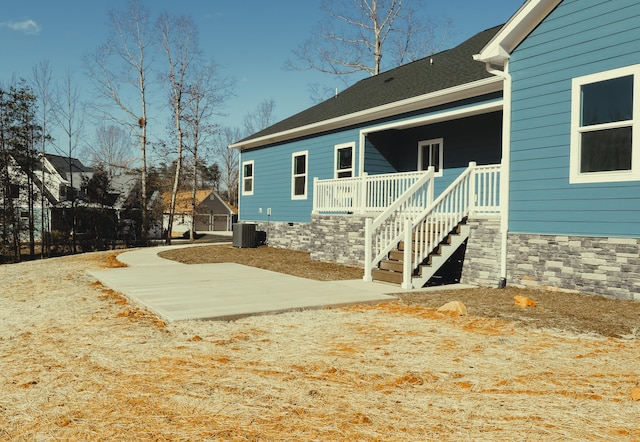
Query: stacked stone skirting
[292,236]
[338,238]
[481,265]
[590,265]
[328,238]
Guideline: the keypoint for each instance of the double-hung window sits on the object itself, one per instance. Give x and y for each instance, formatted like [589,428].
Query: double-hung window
[247,177]
[299,175]
[430,154]
[604,115]
[343,160]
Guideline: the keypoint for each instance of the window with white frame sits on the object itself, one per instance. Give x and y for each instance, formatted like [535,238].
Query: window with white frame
[430,154]
[299,175]
[604,112]
[247,177]
[343,160]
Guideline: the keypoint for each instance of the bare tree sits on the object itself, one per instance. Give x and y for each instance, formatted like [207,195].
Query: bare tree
[42,80]
[119,68]
[263,116]
[112,150]
[179,41]
[70,119]
[228,159]
[207,93]
[357,36]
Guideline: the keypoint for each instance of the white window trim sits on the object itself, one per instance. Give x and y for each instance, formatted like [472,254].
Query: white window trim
[575,177]
[423,143]
[253,178]
[337,147]
[304,153]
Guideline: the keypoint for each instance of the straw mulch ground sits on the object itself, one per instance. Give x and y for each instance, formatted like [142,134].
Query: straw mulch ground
[80,362]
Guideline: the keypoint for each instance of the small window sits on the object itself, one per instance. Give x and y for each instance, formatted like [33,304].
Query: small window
[603,117]
[247,178]
[430,154]
[299,175]
[15,191]
[344,160]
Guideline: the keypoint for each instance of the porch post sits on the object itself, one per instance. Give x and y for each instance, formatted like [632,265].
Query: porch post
[364,197]
[431,190]
[472,198]
[367,249]
[407,261]
[315,195]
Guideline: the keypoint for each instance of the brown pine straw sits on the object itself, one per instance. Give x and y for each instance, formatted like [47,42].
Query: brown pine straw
[80,362]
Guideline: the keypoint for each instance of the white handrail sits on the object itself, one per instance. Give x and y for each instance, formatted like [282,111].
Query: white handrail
[384,233]
[475,190]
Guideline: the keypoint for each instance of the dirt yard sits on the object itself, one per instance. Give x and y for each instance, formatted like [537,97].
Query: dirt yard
[80,362]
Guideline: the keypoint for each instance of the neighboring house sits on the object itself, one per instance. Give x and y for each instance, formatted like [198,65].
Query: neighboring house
[212,212]
[64,175]
[526,135]
[20,198]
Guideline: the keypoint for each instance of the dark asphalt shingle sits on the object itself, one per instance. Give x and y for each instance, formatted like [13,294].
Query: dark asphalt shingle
[450,68]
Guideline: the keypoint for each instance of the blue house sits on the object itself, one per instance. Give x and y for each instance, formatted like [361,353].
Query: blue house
[512,152]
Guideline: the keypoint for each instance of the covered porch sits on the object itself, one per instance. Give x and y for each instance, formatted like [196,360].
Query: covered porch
[410,230]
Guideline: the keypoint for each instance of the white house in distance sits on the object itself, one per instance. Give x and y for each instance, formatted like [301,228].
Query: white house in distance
[517,147]
[63,174]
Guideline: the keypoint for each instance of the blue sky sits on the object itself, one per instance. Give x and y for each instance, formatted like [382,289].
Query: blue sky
[249,39]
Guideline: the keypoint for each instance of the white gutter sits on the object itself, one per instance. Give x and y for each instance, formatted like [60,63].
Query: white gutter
[476,88]
[496,54]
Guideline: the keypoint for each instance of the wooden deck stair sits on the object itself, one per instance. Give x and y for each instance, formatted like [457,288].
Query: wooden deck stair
[390,269]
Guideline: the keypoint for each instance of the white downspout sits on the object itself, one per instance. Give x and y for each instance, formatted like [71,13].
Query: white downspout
[505,167]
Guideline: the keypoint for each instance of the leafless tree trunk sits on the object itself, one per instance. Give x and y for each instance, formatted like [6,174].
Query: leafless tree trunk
[357,36]
[42,82]
[120,66]
[70,120]
[207,93]
[229,160]
[179,40]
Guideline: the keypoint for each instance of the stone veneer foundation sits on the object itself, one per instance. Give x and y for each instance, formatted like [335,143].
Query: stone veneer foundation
[338,238]
[590,265]
[328,238]
[482,257]
[292,236]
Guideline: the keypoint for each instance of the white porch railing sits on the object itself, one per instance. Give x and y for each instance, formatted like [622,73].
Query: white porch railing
[475,191]
[363,194]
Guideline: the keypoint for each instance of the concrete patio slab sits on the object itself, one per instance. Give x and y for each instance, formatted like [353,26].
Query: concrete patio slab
[176,291]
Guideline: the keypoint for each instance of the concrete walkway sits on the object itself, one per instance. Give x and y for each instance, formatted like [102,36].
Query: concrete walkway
[176,291]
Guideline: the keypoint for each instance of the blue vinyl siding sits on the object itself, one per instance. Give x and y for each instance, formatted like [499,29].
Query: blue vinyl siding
[579,37]
[479,141]
[272,177]
[375,162]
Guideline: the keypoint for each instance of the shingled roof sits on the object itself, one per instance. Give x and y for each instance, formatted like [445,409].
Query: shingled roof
[61,164]
[447,69]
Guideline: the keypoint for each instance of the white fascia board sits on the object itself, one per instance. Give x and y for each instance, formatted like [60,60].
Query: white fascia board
[515,31]
[469,90]
[455,114]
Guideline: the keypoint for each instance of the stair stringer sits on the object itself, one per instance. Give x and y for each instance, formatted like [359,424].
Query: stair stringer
[426,271]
